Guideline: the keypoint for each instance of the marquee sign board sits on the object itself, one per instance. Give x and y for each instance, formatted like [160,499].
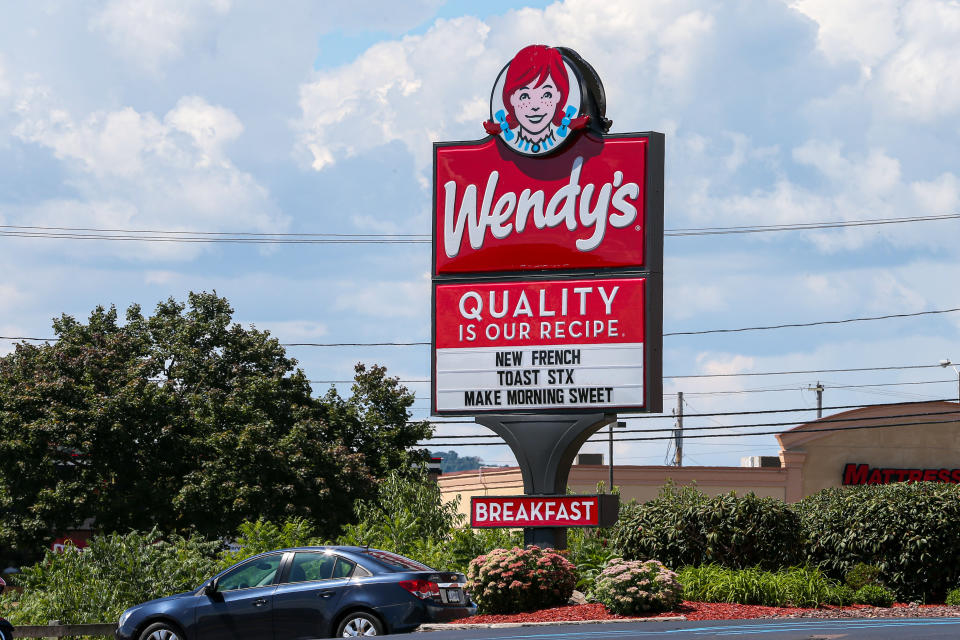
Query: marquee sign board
[544,511]
[539,344]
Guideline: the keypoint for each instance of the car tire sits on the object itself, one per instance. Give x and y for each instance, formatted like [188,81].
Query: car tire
[161,631]
[359,623]
[6,630]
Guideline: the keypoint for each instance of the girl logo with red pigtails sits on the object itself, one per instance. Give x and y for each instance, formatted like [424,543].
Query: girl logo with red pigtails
[536,102]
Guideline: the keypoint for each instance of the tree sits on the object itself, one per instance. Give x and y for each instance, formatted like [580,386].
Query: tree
[450,461]
[184,420]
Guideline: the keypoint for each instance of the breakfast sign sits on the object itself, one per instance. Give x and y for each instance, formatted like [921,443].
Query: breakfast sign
[548,252]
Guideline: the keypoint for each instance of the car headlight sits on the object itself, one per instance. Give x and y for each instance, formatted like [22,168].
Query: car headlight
[124,616]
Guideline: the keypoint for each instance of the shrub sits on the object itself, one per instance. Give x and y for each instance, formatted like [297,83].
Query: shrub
[874,595]
[908,530]
[682,526]
[797,586]
[631,587]
[408,516]
[589,551]
[861,575]
[514,580]
[953,597]
[113,573]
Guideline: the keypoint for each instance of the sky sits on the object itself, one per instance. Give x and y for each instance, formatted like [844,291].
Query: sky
[308,117]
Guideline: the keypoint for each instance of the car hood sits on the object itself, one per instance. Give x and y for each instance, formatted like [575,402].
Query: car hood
[176,596]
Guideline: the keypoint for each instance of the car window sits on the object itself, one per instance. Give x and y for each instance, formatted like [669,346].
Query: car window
[309,566]
[343,569]
[397,562]
[259,572]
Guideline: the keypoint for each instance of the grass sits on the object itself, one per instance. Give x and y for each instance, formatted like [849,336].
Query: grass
[796,586]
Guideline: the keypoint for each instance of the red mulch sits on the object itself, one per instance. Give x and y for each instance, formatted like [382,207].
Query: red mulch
[714,611]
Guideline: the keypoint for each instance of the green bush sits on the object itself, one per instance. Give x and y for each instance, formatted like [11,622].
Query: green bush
[908,530]
[631,587]
[682,526]
[861,575]
[874,595]
[953,597]
[590,551]
[514,580]
[797,586]
[113,573]
[408,516]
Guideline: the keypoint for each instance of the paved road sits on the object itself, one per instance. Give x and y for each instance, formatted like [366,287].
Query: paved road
[780,629]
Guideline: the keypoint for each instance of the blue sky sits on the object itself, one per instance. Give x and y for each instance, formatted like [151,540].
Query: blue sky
[245,117]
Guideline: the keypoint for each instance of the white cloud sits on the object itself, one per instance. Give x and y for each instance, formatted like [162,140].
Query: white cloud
[136,170]
[154,31]
[907,51]
[436,86]
[293,330]
[386,299]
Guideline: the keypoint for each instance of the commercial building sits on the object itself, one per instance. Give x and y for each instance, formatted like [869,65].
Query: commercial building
[870,445]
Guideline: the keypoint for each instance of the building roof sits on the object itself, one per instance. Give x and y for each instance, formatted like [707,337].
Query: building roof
[935,412]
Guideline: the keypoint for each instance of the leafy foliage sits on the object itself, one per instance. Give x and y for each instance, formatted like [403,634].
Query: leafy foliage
[796,586]
[262,536]
[188,420]
[451,461]
[873,594]
[631,587]
[514,580]
[589,550]
[953,597]
[908,530]
[682,526]
[861,575]
[113,573]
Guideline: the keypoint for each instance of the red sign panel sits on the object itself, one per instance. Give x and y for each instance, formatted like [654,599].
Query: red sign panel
[549,344]
[582,208]
[865,474]
[535,511]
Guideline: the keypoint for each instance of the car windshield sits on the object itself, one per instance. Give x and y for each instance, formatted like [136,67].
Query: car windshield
[397,562]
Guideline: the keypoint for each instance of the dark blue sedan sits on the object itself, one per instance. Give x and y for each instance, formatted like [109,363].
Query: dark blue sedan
[302,594]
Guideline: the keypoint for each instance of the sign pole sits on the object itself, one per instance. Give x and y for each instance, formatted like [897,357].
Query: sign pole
[545,446]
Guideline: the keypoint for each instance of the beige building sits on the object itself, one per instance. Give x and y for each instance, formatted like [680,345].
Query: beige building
[915,441]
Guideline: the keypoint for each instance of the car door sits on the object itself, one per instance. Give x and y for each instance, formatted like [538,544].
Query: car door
[242,607]
[306,601]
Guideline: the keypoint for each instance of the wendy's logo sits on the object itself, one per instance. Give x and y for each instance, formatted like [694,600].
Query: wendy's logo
[541,97]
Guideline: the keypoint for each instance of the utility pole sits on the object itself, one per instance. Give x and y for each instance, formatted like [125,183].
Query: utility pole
[620,424]
[819,389]
[610,461]
[678,434]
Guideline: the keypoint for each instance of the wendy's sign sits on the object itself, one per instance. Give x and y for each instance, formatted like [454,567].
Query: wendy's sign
[548,239]
[584,208]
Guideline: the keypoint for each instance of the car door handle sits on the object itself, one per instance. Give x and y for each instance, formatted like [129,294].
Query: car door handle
[259,602]
[325,594]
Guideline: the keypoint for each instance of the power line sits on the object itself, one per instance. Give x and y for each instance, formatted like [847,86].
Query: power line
[676,333]
[245,237]
[740,413]
[718,435]
[813,324]
[717,427]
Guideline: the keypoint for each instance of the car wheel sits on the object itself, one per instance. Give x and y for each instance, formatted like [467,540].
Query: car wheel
[359,623]
[160,631]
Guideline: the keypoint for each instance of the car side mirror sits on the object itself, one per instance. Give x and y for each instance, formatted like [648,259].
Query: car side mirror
[210,590]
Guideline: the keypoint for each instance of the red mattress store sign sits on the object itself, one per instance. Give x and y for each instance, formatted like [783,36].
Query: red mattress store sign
[540,511]
[570,343]
[865,474]
[500,211]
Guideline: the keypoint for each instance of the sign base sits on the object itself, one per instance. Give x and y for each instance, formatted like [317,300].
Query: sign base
[545,447]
